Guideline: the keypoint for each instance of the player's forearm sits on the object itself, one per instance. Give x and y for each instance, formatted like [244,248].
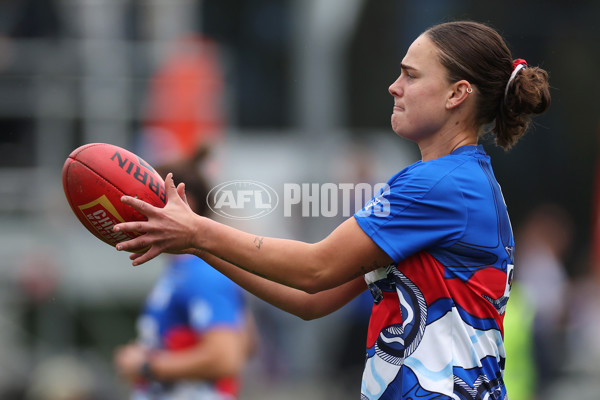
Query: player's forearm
[292,263]
[303,305]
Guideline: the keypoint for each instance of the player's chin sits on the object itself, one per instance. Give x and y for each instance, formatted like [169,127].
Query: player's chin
[396,124]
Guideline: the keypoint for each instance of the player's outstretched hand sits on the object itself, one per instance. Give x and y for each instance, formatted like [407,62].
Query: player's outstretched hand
[171,229]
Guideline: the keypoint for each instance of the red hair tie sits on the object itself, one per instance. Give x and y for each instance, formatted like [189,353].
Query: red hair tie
[518,65]
[519,61]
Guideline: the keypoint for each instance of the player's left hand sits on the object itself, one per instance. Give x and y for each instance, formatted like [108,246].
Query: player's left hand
[128,361]
[171,229]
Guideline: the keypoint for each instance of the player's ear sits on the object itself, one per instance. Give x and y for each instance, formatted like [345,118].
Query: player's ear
[459,92]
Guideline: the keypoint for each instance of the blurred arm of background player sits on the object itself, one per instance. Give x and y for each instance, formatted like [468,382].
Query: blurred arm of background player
[222,352]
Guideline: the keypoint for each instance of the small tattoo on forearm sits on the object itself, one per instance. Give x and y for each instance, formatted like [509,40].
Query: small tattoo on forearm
[258,241]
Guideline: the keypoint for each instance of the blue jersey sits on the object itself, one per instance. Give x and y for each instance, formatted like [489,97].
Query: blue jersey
[436,325]
[189,299]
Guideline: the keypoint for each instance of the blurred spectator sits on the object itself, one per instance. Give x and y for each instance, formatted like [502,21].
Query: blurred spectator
[185,101]
[520,375]
[61,377]
[195,332]
[541,246]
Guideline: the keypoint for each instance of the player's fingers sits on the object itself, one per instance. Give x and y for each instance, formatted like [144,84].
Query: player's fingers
[133,244]
[147,256]
[134,256]
[136,226]
[145,208]
[170,187]
[181,192]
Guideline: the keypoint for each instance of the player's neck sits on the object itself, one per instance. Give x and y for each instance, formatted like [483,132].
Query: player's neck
[446,144]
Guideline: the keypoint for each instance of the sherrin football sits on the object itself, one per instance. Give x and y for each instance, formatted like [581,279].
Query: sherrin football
[96,175]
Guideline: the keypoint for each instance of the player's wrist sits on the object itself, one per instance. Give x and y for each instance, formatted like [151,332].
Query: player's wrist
[198,235]
[147,370]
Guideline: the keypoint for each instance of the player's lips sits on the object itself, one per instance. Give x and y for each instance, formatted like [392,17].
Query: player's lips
[398,108]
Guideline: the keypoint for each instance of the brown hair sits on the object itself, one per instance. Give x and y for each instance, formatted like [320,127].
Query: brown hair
[190,171]
[477,53]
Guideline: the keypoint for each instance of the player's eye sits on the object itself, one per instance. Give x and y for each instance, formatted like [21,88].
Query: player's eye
[404,72]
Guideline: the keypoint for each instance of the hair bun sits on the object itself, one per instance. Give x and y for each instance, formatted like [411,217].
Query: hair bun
[527,95]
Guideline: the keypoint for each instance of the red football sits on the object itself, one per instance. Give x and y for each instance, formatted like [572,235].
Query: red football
[96,175]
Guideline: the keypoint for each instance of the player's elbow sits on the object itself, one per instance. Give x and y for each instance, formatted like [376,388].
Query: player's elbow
[313,283]
[315,287]
[307,317]
[228,363]
[311,315]
[309,312]
[231,365]
[317,277]
[322,270]
[222,353]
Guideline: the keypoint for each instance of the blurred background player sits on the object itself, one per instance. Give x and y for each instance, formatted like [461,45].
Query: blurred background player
[195,333]
[545,239]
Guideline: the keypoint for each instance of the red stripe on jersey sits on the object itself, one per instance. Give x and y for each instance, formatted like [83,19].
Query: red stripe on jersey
[428,275]
[468,295]
[386,313]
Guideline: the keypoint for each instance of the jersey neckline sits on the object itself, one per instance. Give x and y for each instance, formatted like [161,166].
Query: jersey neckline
[469,148]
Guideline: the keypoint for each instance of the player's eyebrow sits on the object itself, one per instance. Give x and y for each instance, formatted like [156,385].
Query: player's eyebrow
[404,66]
